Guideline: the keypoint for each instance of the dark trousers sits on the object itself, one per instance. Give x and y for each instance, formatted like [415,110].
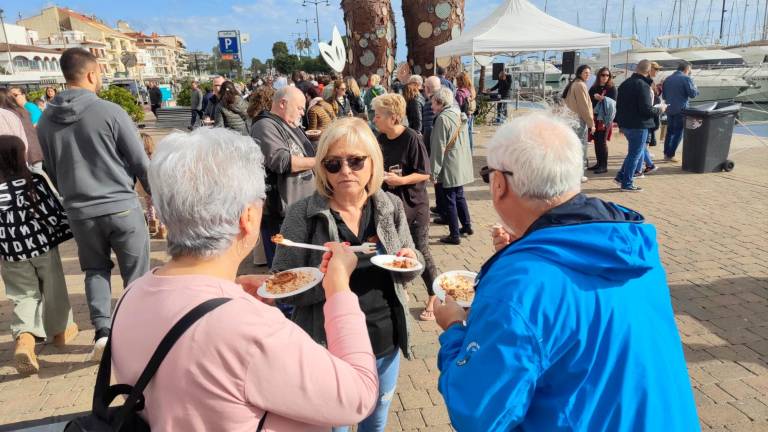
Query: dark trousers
[196,114]
[270,226]
[675,127]
[440,201]
[420,233]
[456,209]
[154,109]
[601,148]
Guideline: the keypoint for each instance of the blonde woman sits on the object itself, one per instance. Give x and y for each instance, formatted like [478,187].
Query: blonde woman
[374,89]
[407,164]
[355,96]
[349,206]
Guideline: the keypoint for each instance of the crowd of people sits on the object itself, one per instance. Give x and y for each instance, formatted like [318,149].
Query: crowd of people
[636,106]
[567,329]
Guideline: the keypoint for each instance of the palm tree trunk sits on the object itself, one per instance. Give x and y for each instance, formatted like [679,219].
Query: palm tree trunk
[371,39]
[429,23]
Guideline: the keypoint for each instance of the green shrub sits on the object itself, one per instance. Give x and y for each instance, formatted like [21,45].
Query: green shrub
[484,107]
[35,95]
[125,99]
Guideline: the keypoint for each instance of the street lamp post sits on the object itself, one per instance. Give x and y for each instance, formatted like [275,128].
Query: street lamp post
[7,43]
[317,16]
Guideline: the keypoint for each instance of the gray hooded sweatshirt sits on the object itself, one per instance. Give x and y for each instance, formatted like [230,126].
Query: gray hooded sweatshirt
[93,154]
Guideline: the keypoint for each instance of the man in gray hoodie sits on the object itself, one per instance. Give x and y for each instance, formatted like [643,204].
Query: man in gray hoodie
[94,155]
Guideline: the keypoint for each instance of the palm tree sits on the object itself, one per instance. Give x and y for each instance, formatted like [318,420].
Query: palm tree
[371,39]
[429,23]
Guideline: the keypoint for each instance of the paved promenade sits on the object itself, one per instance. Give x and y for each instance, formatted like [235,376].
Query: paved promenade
[713,232]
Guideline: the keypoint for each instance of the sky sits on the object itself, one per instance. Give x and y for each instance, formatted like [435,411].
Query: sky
[267,21]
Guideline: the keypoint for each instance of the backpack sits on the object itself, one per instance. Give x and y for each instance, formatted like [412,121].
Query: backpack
[125,418]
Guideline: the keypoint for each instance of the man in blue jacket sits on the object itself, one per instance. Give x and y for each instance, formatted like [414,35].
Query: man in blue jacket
[572,327]
[678,89]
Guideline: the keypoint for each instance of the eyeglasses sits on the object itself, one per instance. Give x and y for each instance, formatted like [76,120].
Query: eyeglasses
[355,163]
[485,173]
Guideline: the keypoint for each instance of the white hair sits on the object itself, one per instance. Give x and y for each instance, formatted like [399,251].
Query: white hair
[416,79]
[542,152]
[444,97]
[432,84]
[201,182]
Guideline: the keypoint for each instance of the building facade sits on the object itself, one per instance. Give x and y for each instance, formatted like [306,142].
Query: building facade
[118,47]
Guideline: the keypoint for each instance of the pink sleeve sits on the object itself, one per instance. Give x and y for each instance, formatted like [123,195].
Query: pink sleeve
[293,376]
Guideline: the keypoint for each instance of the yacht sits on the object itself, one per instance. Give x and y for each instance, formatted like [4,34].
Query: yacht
[754,53]
[714,84]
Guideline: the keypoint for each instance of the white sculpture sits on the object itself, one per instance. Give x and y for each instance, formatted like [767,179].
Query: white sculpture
[334,54]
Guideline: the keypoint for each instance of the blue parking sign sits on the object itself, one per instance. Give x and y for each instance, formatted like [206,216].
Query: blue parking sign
[229,42]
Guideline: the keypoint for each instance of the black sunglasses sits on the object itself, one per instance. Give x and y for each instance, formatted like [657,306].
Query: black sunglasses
[355,163]
[485,173]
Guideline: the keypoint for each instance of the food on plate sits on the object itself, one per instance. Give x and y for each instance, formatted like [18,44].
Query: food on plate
[461,288]
[288,281]
[277,238]
[401,264]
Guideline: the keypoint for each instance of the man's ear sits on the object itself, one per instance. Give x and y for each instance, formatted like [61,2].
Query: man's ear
[499,185]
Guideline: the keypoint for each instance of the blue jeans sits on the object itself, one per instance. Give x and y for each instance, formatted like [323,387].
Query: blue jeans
[675,126]
[645,158]
[388,368]
[456,210]
[636,140]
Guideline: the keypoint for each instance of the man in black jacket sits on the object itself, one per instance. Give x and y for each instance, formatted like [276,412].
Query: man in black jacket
[635,114]
[155,98]
[503,85]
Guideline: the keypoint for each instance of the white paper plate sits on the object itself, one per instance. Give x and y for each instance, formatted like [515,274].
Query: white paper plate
[440,292]
[317,276]
[384,260]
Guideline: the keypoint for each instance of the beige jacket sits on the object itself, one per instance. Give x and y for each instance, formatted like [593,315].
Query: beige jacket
[578,101]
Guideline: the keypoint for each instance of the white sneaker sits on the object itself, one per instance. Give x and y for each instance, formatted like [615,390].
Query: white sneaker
[584,179]
[98,349]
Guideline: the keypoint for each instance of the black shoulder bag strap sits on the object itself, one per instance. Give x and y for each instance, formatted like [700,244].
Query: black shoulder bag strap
[135,399]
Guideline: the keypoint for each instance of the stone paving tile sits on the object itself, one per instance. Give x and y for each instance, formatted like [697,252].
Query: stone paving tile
[713,239]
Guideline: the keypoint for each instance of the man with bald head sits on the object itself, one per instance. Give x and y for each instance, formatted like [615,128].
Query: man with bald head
[571,326]
[635,114]
[289,157]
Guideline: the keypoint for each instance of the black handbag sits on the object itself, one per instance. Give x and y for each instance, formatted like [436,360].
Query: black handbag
[125,418]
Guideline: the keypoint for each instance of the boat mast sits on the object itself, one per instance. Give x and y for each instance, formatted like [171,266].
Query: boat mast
[709,20]
[647,36]
[765,22]
[744,23]
[693,16]
[605,13]
[679,21]
[722,21]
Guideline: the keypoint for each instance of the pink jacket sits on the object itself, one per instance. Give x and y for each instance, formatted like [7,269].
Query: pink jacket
[242,359]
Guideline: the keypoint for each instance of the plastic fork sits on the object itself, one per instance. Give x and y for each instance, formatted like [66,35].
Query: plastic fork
[366,248]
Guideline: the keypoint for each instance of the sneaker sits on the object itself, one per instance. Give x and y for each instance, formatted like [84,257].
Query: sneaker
[670,159]
[584,179]
[650,170]
[66,336]
[601,170]
[24,355]
[632,188]
[639,175]
[439,221]
[467,231]
[102,335]
[434,210]
[617,181]
[451,240]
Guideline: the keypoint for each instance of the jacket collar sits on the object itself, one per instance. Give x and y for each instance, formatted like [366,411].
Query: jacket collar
[318,205]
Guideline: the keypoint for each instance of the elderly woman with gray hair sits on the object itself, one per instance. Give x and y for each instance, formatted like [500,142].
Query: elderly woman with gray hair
[242,363]
[451,161]
[349,206]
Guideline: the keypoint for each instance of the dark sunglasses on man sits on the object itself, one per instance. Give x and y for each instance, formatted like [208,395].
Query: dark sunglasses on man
[485,173]
[355,163]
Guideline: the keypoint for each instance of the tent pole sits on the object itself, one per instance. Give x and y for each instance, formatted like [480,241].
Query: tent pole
[472,79]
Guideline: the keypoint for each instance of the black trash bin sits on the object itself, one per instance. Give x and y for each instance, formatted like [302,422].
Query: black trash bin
[707,136]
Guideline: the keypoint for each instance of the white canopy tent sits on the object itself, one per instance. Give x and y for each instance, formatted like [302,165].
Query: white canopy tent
[518,26]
